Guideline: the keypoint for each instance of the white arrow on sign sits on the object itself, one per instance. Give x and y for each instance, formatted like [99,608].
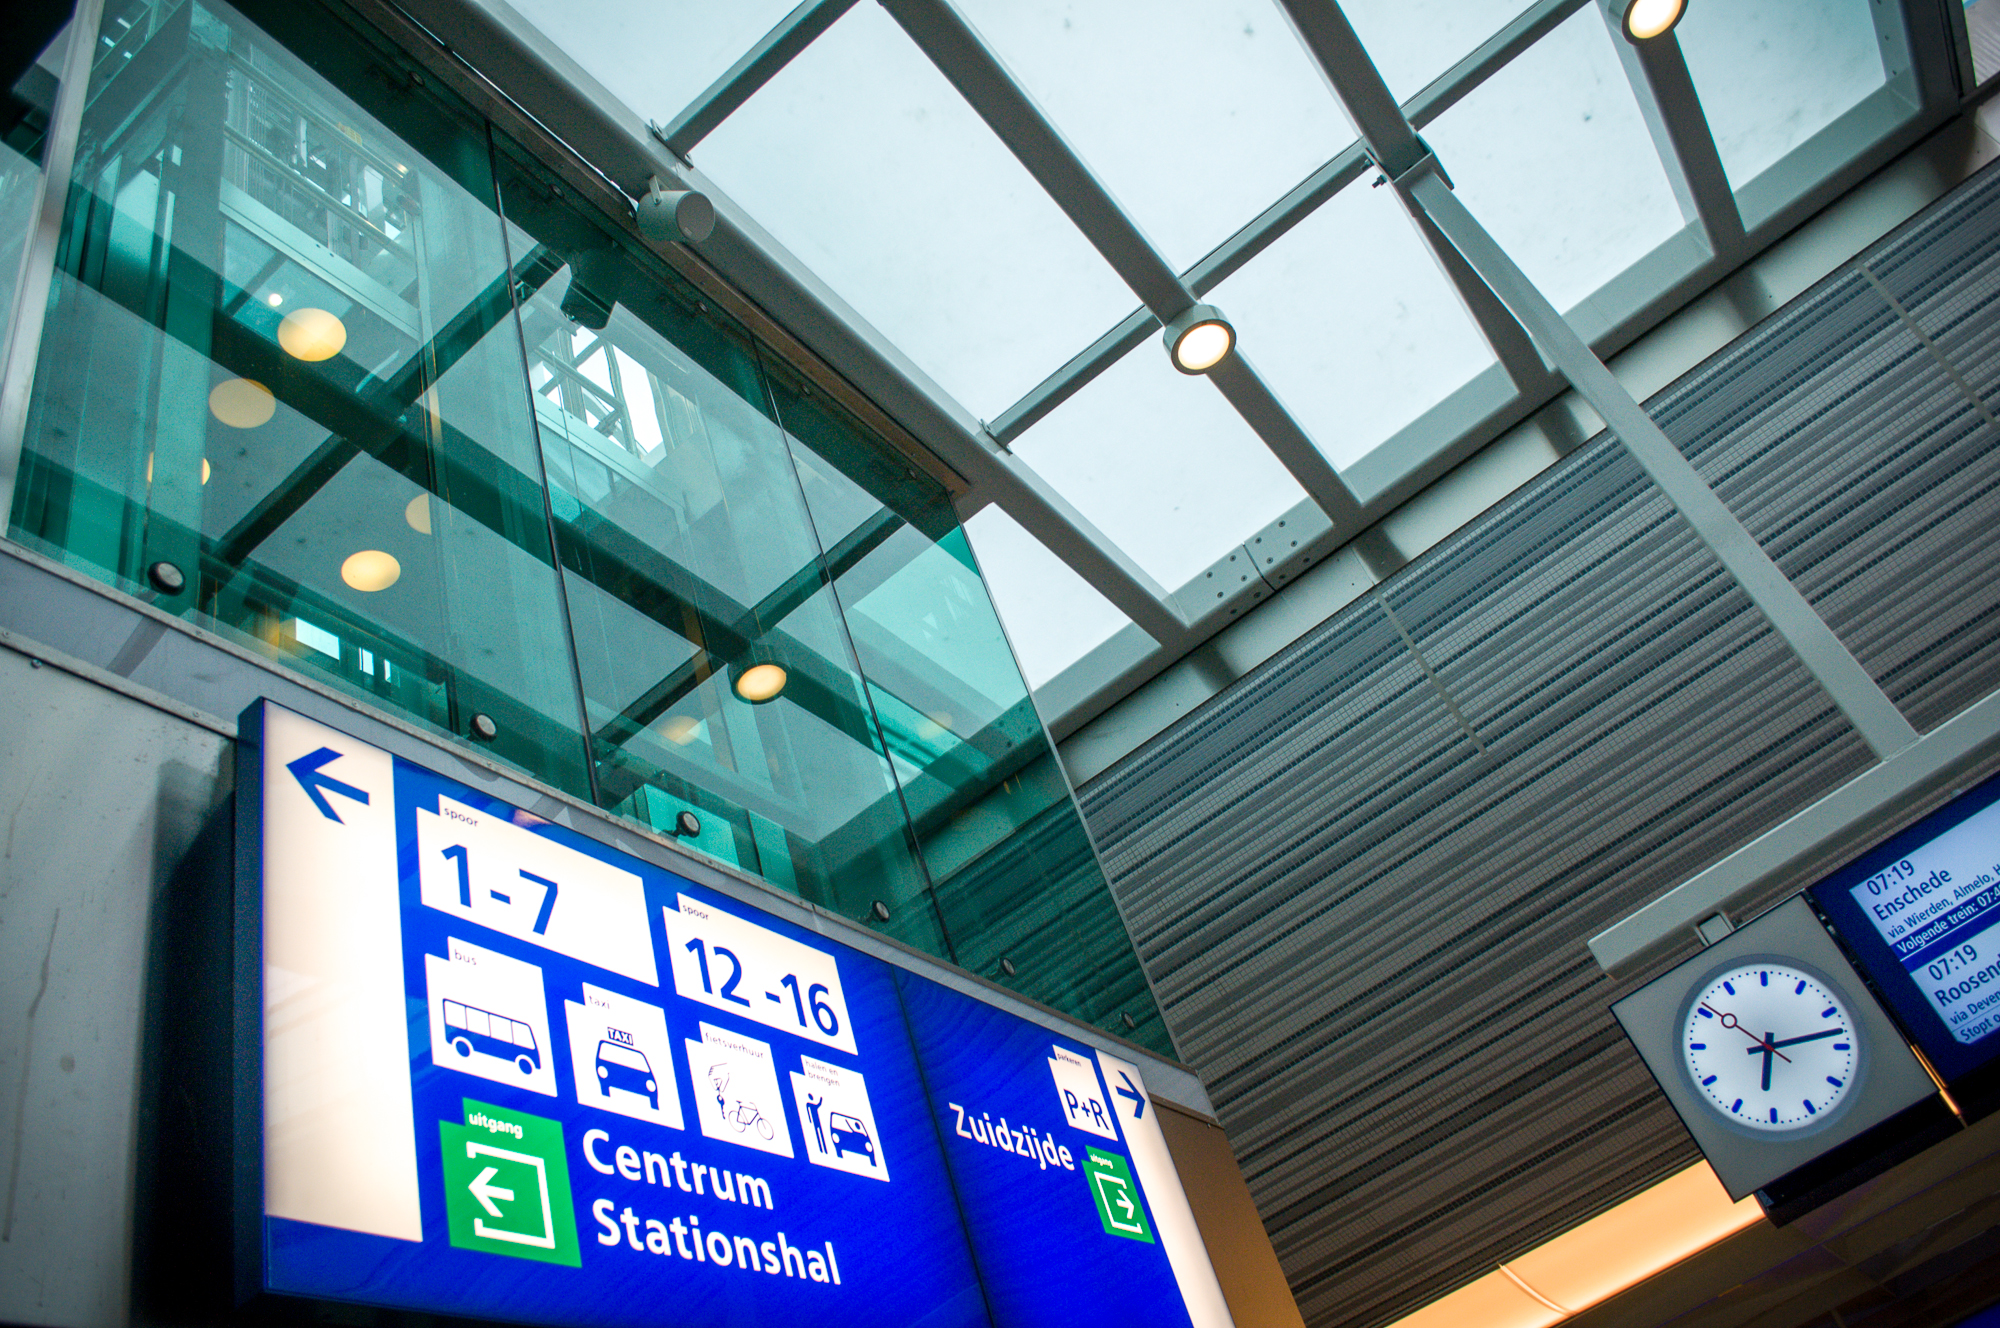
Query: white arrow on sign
[486,1192]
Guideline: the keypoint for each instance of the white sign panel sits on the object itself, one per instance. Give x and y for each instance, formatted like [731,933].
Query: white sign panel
[621,1059]
[837,1119]
[338,1119]
[489,1017]
[1080,1094]
[504,876]
[736,1091]
[752,972]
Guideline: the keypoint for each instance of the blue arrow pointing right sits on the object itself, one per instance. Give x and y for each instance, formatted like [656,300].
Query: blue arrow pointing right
[1131,1090]
[317,785]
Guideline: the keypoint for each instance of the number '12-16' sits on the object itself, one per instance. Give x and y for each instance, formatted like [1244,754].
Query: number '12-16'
[823,1015]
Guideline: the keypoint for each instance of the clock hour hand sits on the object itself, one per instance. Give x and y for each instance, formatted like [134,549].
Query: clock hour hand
[1769,1049]
[1809,1037]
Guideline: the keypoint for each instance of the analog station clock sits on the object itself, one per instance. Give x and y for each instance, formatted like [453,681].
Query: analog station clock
[1770,1046]
[1773,1052]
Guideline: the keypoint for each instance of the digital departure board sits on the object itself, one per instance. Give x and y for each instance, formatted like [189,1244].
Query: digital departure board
[1920,913]
[509,1072]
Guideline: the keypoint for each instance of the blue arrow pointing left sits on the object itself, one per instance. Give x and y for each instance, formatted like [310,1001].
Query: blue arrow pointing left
[1131,1090]
[317,785]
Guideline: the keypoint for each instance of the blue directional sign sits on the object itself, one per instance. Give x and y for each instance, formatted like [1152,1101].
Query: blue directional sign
[509,1072]
[1920,913]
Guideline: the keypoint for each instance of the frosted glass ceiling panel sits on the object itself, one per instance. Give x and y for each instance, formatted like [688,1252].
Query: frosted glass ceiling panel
[866,164]
[1414,41]
[656,58]
[1116,77]
[1352,323]
[1552,155]
[1162,464]
[1772,73]
[1053,617]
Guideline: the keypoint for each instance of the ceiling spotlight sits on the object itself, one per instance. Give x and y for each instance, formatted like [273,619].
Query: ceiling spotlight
[674,214]
[417,513]
[760,683]
[1199,339]
[312,334]
[371,570]
[1647,19]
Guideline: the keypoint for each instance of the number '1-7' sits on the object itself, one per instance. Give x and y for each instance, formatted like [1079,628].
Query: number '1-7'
[457,853]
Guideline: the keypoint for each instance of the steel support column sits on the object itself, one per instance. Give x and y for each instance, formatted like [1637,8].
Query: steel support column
[1864,703]
[23,345]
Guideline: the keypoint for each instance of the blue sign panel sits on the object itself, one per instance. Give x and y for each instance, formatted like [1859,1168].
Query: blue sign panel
[1032,1136]
[1921,915]
[512,1073]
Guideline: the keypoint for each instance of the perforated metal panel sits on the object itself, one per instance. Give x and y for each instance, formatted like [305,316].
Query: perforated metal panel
[1361,879]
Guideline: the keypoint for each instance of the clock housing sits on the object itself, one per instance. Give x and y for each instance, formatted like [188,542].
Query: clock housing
[1886,1081]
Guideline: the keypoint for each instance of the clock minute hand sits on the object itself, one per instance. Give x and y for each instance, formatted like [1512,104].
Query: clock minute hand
[1809,1037]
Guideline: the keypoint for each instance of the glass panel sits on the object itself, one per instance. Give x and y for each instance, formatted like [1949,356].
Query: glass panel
[1772,73]
[865,163]
[655,58]
[1414,41]
[1054,617]
[279,390]
[1141,89]
[1352,322]
[25,109]
[1016,878]
[694,577]
[1552,156]
[1162,464]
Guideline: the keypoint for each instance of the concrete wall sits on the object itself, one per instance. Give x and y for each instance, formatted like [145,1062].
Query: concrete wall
[100,797]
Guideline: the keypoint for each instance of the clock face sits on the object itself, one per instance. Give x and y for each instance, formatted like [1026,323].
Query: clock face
[1769,1047]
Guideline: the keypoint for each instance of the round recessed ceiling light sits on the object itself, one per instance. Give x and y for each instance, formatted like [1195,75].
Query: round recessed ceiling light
[274,299]
[680,730]
[1199,339]
[312,334]
[1647,19]
[760,683]
[206,469]
[418,513]
[242,403]
[371,570]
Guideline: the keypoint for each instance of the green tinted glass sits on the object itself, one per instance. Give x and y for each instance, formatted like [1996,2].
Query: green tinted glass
[280,388]
[720,689]
[1017,885]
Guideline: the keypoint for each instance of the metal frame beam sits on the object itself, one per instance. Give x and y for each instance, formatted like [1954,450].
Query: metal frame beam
[1393,144]
[1299,202]
[1823,653]
[759,65]
[1355,80]
[962,56]
[1868,807]
[1667,101]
